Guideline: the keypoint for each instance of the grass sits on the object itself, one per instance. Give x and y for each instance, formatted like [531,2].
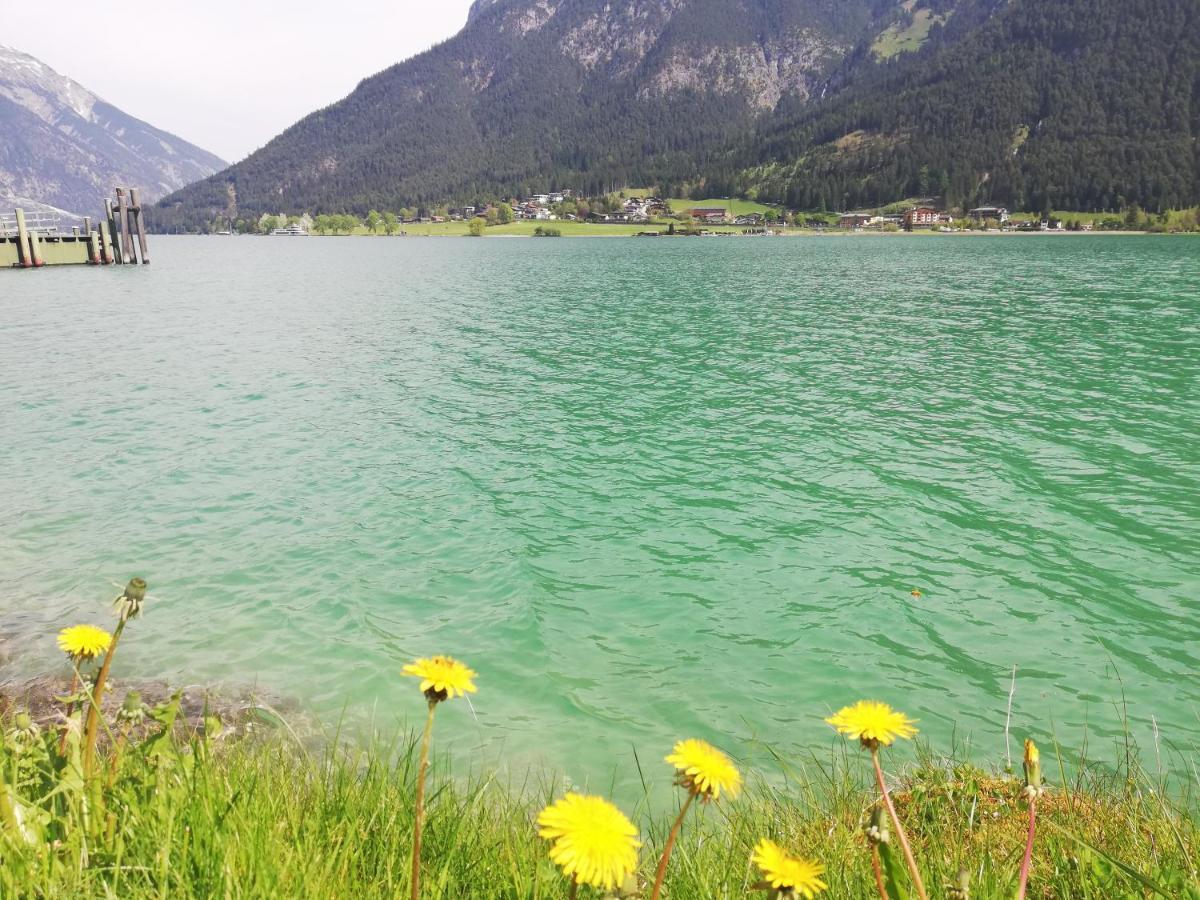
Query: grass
[904,37]
[192,817]
[180,805]
[735,206]
[525,228]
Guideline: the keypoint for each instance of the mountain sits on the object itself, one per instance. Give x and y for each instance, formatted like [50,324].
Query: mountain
[64,147]
[1064,104]
[833,104]
[588,94]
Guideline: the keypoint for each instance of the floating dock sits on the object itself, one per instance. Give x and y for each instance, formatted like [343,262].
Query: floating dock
[32,242]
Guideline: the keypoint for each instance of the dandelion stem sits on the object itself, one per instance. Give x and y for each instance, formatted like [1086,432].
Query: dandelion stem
[666,854]
[887,801]
[62,744]
[419,815]
[574,891]
[92,729]
[1028,860]
[115,762]
[878,873]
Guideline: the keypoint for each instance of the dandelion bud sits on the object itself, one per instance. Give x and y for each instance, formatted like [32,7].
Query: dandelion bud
[213,726]
[962,891]
[879,831]
[132,712]
[1033,770]
[129,604]
[24,734]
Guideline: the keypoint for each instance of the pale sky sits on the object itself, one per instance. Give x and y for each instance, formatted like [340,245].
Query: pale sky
[227,75]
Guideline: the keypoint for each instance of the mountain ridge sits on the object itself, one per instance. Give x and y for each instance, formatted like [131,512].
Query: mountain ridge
[531,93]
[64,147]
[809,103]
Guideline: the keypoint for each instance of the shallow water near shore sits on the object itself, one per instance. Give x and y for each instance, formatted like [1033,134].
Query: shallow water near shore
[647,489]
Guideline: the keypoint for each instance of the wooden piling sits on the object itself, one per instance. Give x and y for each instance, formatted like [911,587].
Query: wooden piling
[87,224]
[106,253]
[93,241]
[23,250]
[114,237]
[35,248]
[139,225]
[127,252]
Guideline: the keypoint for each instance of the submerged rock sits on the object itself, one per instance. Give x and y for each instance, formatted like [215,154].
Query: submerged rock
[240,712]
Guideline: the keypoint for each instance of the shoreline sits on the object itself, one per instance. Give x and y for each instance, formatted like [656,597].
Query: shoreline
[603,232]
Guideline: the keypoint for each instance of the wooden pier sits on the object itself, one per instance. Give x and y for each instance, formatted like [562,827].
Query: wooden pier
[32,242]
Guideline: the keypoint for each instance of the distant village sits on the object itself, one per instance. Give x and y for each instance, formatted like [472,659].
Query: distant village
[616,209]
[930,217]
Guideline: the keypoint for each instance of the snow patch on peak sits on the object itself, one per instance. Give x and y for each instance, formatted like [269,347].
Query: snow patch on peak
[23,78]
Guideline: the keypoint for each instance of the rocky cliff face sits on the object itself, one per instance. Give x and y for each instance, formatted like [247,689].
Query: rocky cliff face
[541,93]
[478,7]
[64,147]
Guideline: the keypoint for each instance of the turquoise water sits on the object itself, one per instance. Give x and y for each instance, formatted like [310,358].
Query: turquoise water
[648,489]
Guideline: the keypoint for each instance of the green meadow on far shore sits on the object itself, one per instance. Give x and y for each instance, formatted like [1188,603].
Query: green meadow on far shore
[568,228]
[526,229]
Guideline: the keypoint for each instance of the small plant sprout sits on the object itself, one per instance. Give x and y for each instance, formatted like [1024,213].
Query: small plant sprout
[878,836]
[1033,789]
[787,877]
[592,841]
[441,679]
[127,606]
[703,771]
[873,725]
[962,890]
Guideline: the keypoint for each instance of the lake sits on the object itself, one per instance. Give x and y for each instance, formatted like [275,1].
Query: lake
[647,489]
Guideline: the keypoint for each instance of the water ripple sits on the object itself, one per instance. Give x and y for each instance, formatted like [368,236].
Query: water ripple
[649,489]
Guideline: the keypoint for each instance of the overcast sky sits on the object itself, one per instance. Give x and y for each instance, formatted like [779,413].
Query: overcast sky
[227,75]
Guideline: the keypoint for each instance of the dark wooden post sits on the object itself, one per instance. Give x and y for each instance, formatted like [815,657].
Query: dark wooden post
[114,237]
[23,251]
[140,225]
[106,245]
[127,255]
[35,248]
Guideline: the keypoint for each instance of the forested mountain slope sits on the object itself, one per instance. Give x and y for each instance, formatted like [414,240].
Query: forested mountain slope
[1070,104]
[1082,104]
[541,93]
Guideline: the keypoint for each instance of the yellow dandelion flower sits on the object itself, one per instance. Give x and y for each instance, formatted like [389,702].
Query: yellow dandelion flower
[84,641]
[1033,767]
[593,841]
[705,770]
[872,722]
[801,876]
[442,677]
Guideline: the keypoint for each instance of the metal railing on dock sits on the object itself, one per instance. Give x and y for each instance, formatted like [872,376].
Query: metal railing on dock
[34,240]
